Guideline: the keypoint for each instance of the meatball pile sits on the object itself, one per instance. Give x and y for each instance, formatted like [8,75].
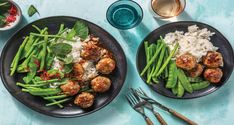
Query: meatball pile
[104,64]
[209,66]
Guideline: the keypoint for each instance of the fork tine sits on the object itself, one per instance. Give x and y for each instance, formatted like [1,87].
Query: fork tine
[129,100]
[134,93]
[143,92]
[133,98]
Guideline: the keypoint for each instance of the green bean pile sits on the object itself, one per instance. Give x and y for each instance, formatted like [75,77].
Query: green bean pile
[161,66]
[36,54]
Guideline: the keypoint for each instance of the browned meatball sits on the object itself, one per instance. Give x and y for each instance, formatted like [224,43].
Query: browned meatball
[90,51]
[84,100]
[106,54]
[213,59]
[186,61]
[70,88]
[101,84]
[78,71]
[213,75]
[106,65]
[197,71]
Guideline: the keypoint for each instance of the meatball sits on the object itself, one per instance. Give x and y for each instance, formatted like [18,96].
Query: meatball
[197,71]
[213,75]
[186,61]
[90,51]
[78,71]
[213,59]
[101,84]
[84,100]
[106,54]
[70,88]
[106,65]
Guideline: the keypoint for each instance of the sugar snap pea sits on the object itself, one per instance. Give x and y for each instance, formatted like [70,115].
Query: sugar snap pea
[180,90]
[200,85]
[172,79]
[184,81]
[195,79]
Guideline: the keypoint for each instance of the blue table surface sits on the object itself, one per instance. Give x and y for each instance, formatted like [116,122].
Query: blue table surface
[214,109]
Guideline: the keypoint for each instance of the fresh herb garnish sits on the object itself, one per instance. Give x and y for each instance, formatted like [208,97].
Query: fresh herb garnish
[81,29]
[32,10]
[61,49]
[2,20]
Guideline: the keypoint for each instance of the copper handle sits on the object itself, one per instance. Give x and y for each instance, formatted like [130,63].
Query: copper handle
[160,119]
[182,117]
[148,121]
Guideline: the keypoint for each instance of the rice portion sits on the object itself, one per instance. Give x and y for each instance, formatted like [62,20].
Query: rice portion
[196,41]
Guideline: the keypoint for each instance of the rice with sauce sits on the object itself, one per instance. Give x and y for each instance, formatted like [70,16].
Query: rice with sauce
[89,67]
[196,41]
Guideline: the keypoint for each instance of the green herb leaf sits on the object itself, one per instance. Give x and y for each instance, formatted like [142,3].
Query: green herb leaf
[71,34]
[66,60]
[61,49]
[32,10]
[53,72]
[32,70]
[81,29]
[67,68]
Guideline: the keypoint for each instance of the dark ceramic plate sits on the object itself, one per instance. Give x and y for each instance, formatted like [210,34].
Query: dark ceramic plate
[70,110]
[218,40]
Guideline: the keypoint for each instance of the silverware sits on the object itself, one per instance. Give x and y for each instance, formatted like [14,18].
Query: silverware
[138,106]
[151,107]
[171,111]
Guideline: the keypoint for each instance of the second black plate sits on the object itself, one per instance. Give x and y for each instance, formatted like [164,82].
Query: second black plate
[218,40]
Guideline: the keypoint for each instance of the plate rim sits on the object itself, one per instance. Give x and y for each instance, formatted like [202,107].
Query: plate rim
[181,22]
[48,113]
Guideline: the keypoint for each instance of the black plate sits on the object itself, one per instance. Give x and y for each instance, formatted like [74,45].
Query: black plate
[218,40]
[70,110]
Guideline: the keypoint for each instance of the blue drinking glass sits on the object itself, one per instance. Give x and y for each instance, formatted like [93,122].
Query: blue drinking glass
[124,14]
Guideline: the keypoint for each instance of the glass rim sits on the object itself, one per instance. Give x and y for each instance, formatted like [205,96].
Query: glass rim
[168,17]
[118,1]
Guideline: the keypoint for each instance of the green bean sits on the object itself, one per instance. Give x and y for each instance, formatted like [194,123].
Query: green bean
[42,92]
[167,60]
[180,89]
[46,81]
[155,79]
[37,28]
[160,60]
[17,56]
[184,81]
[43,55]
[196,79]
[57,102]
[35,43]
[54,36]
[166,70]
[200,85]
[151,60]
[146,45]
[55,97]
[59,105]
[153,49]
[172,79]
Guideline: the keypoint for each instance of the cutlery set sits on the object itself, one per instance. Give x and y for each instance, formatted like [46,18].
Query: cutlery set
[139,100]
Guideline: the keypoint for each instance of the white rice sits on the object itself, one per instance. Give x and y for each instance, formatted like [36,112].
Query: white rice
[89,67]
[196,41]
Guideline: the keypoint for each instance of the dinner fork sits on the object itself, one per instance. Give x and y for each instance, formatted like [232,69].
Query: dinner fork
[149,106]
[137,106]
[171,111]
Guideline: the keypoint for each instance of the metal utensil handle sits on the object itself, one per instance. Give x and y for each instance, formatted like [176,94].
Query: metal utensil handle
[148,121]
[182,117]
[160,118]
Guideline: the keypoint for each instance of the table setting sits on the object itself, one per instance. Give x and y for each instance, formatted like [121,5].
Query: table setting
[123,62]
